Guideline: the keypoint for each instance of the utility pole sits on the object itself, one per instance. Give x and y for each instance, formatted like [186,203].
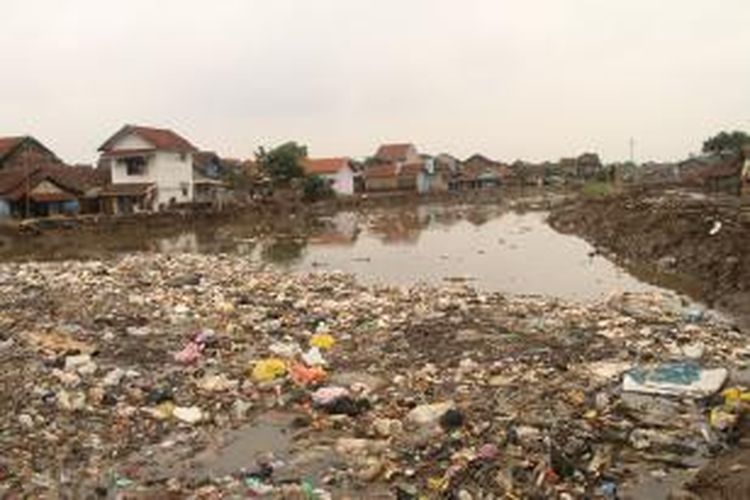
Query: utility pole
[27,167]
[632,151]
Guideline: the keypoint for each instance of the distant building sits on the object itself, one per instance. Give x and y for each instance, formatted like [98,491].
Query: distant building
[210,173]
[337,171]
[653,173]
[397,154]
[586,166]
[479,172]
[382,177]
[396,167]
[151,168]
[48,190]
[716,172]
[34,182]
[25,152]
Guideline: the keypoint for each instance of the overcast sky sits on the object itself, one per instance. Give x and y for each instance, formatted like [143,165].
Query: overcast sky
[531,79]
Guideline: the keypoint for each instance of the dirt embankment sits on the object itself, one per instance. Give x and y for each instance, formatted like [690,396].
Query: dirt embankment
[701,244]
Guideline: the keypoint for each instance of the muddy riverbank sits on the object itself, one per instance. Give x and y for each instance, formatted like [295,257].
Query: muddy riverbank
[144,375]
[698,245]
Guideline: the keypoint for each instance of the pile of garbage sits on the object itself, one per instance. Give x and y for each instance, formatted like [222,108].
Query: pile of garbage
[206,376]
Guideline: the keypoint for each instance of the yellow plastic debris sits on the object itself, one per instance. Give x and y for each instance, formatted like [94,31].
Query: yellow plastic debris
[436,483]
[735,396]
[591,415]
[164,411]
[269,369]
[322,341]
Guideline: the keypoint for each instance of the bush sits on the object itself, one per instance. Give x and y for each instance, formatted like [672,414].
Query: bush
[315,188]
[282,163]
[597,189]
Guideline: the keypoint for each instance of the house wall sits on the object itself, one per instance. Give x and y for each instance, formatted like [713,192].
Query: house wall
[342,181]
[168,170]
[4,208]
[408,182]
[381,183]
[440,182]
[133,141]
[424,182]
[412,155]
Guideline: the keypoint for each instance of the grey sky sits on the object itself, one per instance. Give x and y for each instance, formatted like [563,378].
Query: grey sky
[533,79]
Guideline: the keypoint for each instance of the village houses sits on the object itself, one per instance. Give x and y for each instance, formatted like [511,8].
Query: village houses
[338,172]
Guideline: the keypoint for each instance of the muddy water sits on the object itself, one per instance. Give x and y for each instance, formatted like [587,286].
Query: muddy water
[487,246]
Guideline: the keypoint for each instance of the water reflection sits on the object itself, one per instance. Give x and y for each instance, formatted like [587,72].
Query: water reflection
[497,250]
[283,251]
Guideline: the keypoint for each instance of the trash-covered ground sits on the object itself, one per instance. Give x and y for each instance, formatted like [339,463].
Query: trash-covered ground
[200,376]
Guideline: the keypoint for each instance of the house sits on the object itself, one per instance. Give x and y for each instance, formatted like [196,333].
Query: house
[151,168]
[439,172]
[25,152]
[585,166]
[716,172]
[210,173]
[34,182]
[337,171]
[398,154]
[654,173]
[447,162]
[413,177]
[382,177]
[396,167]
[41,191]
[479,172]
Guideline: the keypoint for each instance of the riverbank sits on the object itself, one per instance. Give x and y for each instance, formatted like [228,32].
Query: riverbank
[207,375]
[697,244]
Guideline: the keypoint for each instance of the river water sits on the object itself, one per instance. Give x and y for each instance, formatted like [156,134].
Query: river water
[487,246]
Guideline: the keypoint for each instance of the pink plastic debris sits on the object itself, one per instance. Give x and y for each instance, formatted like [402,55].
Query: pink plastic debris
[190,354]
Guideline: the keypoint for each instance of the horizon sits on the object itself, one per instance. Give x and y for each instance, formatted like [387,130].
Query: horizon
[487,77]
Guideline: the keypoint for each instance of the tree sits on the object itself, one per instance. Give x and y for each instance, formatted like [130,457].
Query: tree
[315,188]
[282,163]
[726,141]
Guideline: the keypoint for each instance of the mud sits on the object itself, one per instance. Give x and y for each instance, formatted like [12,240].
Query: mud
[696,244]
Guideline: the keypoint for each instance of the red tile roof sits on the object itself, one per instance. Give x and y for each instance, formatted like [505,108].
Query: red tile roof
[381,171]
[8,144]
[317,166]
[161,138]
[15,183]
[393,152]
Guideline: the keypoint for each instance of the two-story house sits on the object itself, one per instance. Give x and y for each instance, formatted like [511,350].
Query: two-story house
[395,167]
[151,169]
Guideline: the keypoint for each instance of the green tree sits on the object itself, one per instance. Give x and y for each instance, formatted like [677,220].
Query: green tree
[282,163]
[732,141]
[315,188]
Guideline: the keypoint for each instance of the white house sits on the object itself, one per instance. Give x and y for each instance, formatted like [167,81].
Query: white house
[337,171]
[151,168]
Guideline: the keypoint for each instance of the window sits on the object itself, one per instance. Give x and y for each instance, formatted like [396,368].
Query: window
[135,165]
[185,189]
